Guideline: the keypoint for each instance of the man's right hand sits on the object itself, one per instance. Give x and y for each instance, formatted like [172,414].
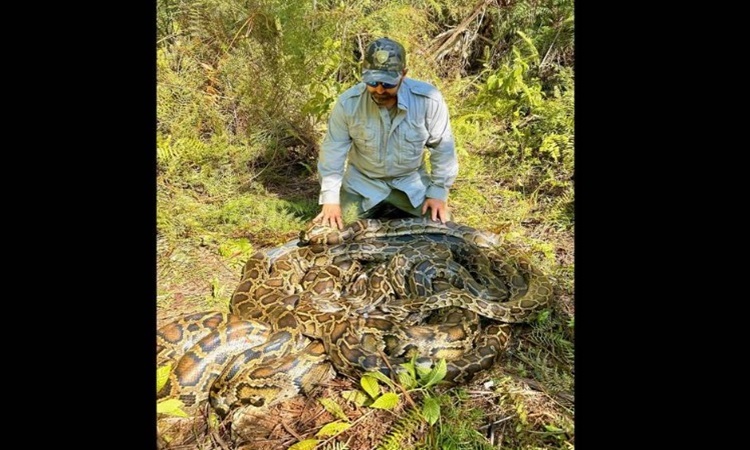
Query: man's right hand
[330,216]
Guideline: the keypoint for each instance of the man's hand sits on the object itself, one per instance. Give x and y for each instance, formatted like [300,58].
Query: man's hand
[330,216]
[438,209]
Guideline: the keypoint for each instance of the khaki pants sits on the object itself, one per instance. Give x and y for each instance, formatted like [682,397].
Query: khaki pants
[395,206]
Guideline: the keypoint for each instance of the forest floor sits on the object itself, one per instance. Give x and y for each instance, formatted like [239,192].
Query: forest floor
[193,276]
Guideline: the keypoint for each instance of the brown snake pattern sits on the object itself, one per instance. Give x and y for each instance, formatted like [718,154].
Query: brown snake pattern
[366,298]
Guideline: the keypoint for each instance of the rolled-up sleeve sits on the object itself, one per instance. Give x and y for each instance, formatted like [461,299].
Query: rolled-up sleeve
[332,159]
[443,158]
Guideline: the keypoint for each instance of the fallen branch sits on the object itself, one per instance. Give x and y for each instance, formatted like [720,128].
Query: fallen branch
[439,52]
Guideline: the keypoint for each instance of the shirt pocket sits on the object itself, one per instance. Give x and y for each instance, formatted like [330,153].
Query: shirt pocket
[414,138]
[365,140]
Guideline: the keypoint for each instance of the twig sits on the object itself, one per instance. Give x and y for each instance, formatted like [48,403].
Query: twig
[179,33]
[500,439]
[361,47]
[558,397]
[320,413]
[550,47]
[482,393]
[459,29]
[218,440]
[406,394]
[526,120]
[245,23]
[290,430]
[360,418]
[495,422]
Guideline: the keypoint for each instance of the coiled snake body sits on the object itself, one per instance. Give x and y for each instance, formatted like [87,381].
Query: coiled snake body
[369,297]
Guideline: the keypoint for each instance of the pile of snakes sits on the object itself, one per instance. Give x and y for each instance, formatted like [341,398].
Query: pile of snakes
[369,297]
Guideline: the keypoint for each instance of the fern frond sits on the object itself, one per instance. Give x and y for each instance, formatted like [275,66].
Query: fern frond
[403,428]
[336,445]
[553,340]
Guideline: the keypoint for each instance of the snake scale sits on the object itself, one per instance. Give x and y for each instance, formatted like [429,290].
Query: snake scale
[369,297]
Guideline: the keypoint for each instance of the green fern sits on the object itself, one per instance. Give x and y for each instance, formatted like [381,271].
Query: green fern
[458,427]
[553,338]
[405,427]
[336,445]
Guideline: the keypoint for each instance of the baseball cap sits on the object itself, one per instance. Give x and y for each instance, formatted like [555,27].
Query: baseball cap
[385,59]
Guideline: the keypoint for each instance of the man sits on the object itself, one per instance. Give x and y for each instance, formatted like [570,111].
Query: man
[372,156]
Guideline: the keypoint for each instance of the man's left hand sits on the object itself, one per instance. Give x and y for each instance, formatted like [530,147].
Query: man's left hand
[438,208]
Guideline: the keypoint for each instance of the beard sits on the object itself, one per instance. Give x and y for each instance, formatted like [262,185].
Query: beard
[382,98]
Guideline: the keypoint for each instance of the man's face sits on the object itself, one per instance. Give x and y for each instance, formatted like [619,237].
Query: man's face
[380,95]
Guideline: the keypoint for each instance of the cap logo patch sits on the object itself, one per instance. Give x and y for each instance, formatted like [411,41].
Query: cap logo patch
[381,56]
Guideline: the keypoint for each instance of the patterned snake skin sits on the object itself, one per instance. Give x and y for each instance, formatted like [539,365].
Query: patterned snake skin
[368,297]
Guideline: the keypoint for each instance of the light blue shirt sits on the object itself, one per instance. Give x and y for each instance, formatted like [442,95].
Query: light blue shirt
[384,154]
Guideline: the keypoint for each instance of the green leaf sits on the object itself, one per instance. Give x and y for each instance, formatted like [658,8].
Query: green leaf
[492,82]
[307,444]
[213,420]
[162,375]
[333,429]
[379,375]
[422,371]
[543,316]
[357,397]
[234,247]
[171,406]
[332,407]
[553,429]
[406,380]
[436,375]
[409,366]
[370,385]
[389,400]
[431,410]
[422,368]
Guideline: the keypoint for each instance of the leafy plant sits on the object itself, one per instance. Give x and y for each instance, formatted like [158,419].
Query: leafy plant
[167,406]
[457,428]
